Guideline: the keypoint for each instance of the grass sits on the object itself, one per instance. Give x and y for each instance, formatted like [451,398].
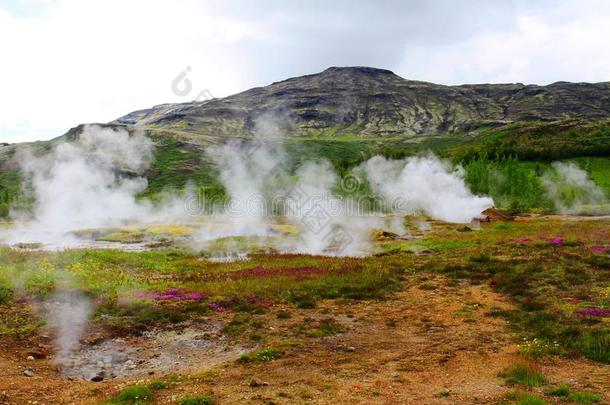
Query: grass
[158,385]
[260,356]
[524,373]
[201,400]
[313,328]
[547,282]
[530,399]
[560,391]
[136,394]
[583,397]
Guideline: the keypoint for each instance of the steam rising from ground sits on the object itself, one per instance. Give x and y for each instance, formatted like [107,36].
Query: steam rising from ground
[572,191]
[329,225]
[76,184]
[94,181]
[259,183]
[425,185]
[91,182]
[245,171]
[68,314]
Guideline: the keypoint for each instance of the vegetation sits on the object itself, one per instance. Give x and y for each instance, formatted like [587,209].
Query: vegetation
[525,373]
[583,397]
[506,163]
[202,400]
[260,356]
[136,394]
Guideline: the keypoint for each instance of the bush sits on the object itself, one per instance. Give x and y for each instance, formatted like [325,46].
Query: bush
[6,295]
[158,385]
[260,356]
[585,397]
[561,391]
[137,394]
[531,399]
[595,344]
[204,400]
[525,373]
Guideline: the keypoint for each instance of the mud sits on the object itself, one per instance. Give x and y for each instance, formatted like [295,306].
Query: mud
[156,351]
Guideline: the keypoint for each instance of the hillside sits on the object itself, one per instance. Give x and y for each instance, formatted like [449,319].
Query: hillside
[371,102]
[347,115]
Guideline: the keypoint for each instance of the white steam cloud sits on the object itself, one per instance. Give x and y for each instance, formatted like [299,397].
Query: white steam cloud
[94,181]
[328,225]
[425,185]
[68,315]
[572,191]
[253,175]
[90,182]
[245,172]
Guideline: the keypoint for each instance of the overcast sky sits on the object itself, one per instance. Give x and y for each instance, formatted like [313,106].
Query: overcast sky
[65,62]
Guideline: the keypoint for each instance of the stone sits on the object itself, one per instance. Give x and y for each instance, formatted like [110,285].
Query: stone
[257,382]
[28,372]
[98,377]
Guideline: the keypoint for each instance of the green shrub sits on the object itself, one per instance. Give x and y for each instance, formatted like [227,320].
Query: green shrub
[260,356]
[525,373]
[158,385]
[562,391]
[137,394]
[582,397]
[202,400]
[530,399]
[6,295]
[595,344]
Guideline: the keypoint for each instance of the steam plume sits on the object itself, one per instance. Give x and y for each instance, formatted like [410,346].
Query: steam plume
[572,191]
[425,185]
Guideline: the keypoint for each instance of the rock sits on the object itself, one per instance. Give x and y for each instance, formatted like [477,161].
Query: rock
[257,382]
[40,352]
[28,372]
[30,358]
[98,377]
[351,349]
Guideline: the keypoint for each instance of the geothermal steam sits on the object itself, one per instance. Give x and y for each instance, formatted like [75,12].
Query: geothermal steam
[68,315]
[94,182]
[425,185]
[79,184]
[572,191]
[329,224]
[90,182]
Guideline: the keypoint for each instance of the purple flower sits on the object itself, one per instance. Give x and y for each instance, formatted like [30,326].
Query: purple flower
[193,296]
[556,241]
[595,312]
[172,294]
[600,250]
[216,307]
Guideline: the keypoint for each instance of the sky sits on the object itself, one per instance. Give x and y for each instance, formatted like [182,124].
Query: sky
[66,62]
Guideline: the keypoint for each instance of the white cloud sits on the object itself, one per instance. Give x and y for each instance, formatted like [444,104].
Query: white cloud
[539,51]
[94,61]
[66,62]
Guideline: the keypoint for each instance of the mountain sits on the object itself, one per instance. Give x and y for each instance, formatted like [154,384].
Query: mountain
[370,102]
